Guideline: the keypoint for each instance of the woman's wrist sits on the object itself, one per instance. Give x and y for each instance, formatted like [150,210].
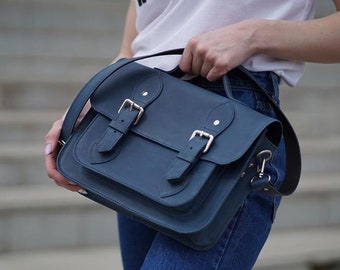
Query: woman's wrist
[263,39]
[315,40]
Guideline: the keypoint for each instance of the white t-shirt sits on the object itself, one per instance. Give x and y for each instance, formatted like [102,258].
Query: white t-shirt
[169,24]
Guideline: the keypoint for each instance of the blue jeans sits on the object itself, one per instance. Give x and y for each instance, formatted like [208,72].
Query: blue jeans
[243,239]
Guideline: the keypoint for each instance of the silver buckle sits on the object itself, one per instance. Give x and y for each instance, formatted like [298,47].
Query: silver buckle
[204,135]
[133,105]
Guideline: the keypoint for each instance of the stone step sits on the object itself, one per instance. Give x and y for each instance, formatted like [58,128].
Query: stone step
[23,96]
[46,216]
[59,44]
[61,28]
[313,125]
[318,78]
[35,83]
[303,249]
[30,127]
[105,257]
[63,15]
[30,68]
[296,250]
[22,164]
[39,217]
[321,154]
[314,204]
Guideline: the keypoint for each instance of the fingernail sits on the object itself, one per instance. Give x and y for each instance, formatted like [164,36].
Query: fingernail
[72,183]
[48,149]
[82,191]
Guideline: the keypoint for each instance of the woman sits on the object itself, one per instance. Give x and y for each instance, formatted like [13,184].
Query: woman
[270,38]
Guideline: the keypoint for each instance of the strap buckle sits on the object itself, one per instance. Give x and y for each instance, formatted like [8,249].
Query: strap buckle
[203,134]
[133,105]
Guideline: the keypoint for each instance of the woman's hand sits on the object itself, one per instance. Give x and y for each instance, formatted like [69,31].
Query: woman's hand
[51,152]
[214,53]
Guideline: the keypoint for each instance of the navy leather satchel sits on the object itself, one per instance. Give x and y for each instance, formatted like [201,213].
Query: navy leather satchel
[170,154]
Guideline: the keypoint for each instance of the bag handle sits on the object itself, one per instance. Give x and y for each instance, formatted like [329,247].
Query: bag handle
[293,156]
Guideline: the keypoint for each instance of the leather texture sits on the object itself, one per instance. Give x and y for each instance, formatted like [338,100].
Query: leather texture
[167,153]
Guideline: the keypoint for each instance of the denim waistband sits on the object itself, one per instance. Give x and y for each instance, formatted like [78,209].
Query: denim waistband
[238,80]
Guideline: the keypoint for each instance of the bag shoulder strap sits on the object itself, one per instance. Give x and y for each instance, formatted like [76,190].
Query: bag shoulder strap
[293,156]
[91,86]
[292,147]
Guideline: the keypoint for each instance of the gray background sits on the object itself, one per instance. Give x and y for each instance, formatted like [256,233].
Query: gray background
[48,50]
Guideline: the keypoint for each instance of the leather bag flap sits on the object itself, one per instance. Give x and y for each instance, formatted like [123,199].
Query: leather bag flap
[171,115]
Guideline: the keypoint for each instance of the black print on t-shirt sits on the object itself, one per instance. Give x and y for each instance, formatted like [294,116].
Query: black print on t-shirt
[141,2]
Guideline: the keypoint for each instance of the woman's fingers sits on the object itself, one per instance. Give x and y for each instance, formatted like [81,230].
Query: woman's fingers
[51,152]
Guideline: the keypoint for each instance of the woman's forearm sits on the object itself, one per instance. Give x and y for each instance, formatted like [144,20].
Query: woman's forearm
[315,40]
[130,32]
